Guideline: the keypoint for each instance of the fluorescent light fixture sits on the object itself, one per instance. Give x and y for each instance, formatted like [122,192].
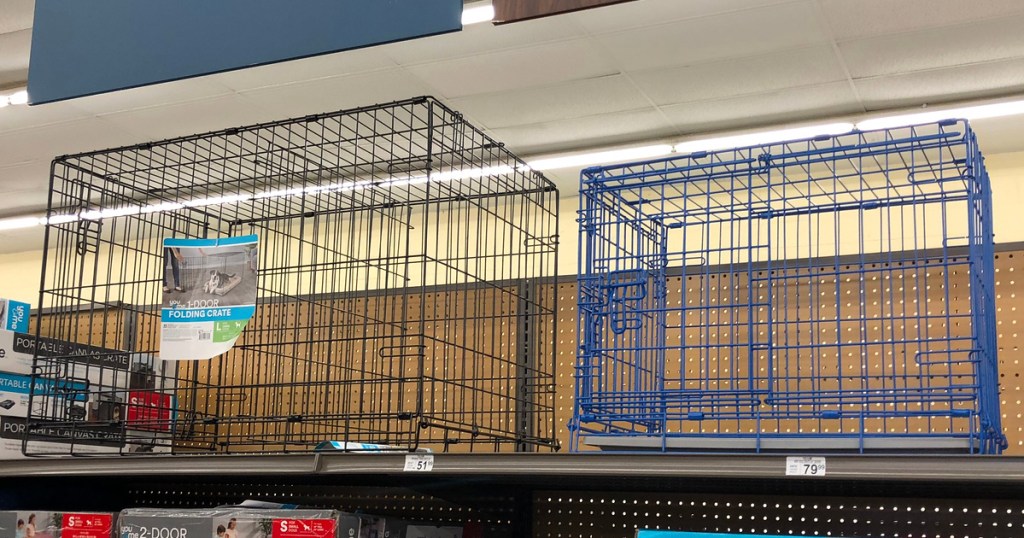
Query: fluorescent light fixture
[111,213]
[278,193]
[14,97]
[411,180]
[994,110]
[477,13]
[468,173]
[161,207]
[18,98]
[764,137]
[217,200]
[59,219]
[18,223]
[581,160]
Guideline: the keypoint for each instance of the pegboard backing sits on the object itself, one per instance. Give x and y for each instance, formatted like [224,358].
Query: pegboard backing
[107,328]
[251,384]
[1010,339]
[567,514]
[1009,264]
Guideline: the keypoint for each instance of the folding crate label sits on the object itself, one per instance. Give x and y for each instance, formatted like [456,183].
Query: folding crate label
[304,528]
[805,466]
[87,525]
[209,295]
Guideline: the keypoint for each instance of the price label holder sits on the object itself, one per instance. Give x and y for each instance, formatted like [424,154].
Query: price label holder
[421,463]
[812,466]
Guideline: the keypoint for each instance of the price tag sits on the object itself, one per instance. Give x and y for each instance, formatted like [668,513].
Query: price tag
[805,466]
[423,463]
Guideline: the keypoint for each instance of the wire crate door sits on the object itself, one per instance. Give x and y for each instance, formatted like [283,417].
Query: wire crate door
[725,325]
[623,306]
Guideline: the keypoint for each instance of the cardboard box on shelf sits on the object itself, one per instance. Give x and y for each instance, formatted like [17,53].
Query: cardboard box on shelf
[85,403]
[237,522]
[14,315]
[47,524]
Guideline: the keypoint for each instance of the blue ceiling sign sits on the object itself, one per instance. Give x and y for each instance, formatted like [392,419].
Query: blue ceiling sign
[87,47]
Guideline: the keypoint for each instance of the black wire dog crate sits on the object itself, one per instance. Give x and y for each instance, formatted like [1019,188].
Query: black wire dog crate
[403,278]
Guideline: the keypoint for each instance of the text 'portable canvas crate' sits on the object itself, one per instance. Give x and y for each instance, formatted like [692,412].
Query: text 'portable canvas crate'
[834,293]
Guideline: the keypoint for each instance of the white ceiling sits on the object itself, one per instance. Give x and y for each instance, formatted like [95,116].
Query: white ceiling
[635,72]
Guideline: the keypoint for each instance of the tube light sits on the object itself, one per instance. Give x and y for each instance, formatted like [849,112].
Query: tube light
[590,159]
[477,13]
[161,207]
[18,98]
[579,160]
[217,200]
[994,110]
[765,137]
[59,219]
[111,213]
[18,223]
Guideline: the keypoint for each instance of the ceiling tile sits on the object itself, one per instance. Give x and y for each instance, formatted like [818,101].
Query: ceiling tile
[168,93]
[29,201]
[14,77]
[756,74]
[568,182]
[742,33]
[13,118]
[585,132]
[518,68]
[32,175]
[158,123]
[336,93]
[14,53]
[874,17]
[983,41]
[790,105]
[306,69]
[938,85]
[569,100]
[16,15]
[480,38]
[652,12]
[77,136]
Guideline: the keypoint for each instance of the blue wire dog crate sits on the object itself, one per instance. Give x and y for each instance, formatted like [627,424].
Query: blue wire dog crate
[831,294]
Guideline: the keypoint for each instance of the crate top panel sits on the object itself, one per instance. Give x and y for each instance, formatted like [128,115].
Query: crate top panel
[407,152]
[854,170]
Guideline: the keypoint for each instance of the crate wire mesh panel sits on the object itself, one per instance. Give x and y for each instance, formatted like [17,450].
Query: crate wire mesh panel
[401,256]
[810,304]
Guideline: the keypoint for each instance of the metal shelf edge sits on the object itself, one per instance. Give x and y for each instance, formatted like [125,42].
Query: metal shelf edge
[894,469]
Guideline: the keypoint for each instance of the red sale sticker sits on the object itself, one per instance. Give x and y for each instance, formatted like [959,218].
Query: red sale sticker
[304,528]
[150,411]
[87,525]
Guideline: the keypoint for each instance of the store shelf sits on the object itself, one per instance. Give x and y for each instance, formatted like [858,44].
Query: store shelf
[540,467]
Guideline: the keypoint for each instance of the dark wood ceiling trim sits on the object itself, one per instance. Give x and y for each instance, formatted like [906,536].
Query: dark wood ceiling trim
[507,11]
